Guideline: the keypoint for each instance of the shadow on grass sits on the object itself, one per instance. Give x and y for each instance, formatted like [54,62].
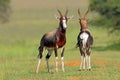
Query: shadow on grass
[111,47]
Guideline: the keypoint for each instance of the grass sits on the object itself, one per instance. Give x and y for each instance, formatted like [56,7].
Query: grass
[20,39]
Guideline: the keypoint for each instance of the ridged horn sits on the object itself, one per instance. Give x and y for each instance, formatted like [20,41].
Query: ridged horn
[59,12]
[86,13]
[66,12]
[79,13]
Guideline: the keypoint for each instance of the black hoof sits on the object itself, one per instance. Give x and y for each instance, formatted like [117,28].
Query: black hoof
[89,69]
[79,70]
[50,72]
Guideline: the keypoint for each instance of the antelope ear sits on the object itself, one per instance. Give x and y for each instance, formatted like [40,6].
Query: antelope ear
[57,17]
[70,17]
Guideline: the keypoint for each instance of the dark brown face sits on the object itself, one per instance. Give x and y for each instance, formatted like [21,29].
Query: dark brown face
[63,19]
[63,22]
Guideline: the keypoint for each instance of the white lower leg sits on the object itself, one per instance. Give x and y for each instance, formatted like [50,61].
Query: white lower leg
[39,61]
[81,63]
[56,64]
[62,60]
[89,66]
[87,61]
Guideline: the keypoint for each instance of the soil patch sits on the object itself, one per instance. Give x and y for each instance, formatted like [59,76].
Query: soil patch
[72,63]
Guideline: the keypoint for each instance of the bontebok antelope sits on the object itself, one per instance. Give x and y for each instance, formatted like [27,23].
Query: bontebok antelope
[54,40]
[85,41]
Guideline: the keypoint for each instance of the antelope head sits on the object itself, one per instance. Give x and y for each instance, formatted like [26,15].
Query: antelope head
[83,19]
[63,19]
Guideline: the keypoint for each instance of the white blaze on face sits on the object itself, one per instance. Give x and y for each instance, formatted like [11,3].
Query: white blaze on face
[64,23]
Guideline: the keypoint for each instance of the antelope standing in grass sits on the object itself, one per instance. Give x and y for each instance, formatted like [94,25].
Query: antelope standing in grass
[84,41]
[54,40]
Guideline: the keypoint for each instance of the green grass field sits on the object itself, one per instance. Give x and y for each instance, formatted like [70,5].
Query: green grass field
[20,39]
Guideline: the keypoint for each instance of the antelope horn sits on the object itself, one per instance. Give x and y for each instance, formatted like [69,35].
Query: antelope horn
[79,13]
[86,13]
[66,12]
[59,12]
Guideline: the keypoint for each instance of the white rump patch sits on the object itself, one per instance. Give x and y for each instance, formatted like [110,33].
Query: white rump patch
[84,36]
